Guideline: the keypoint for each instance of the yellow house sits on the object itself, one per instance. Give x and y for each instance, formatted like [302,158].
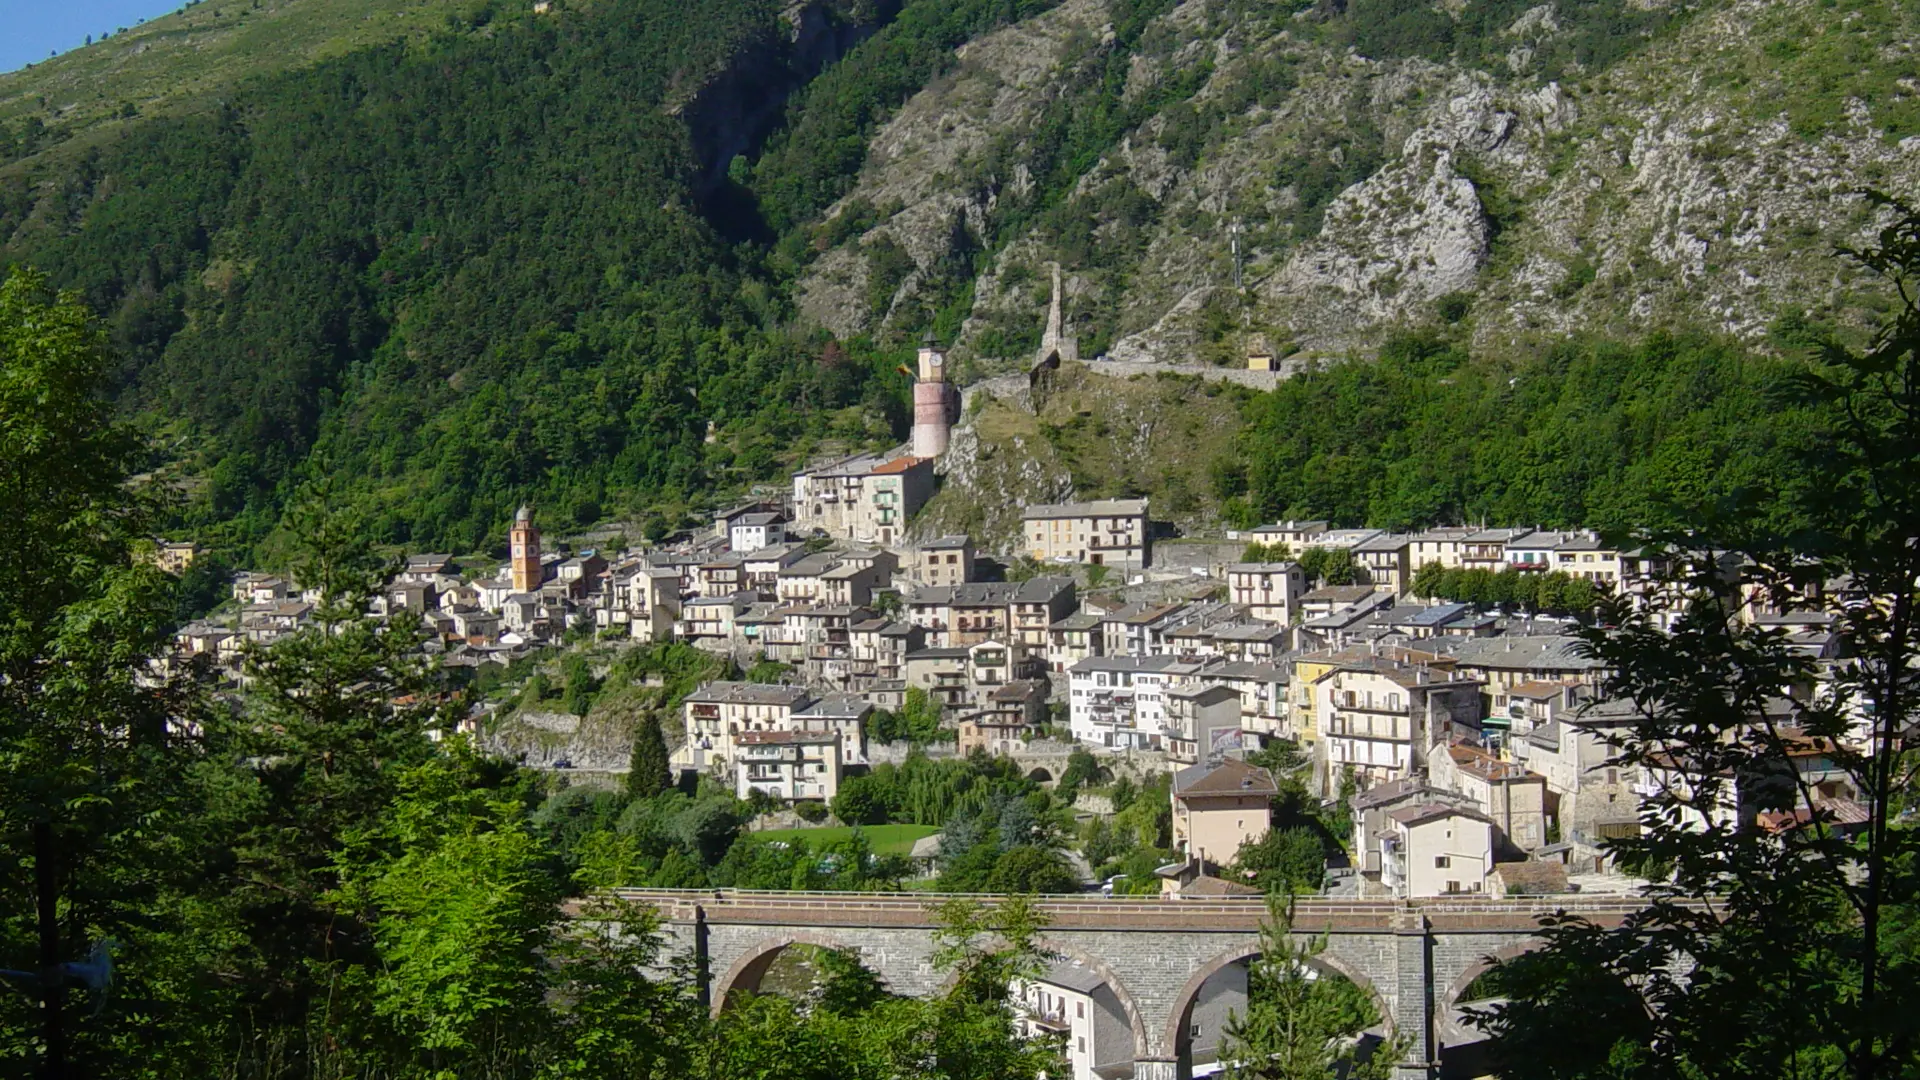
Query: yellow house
[1308,671]
[1260,361]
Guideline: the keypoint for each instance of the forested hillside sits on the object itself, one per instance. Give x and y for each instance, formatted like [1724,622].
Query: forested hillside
[618,258]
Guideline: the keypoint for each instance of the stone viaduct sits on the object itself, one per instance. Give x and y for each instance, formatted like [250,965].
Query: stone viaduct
[1415,958]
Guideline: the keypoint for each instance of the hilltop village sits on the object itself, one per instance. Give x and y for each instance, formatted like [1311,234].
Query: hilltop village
[1467,740]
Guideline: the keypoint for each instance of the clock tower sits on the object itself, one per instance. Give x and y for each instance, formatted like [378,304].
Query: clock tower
[523,541]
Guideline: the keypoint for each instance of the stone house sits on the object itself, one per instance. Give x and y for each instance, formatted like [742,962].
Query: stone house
[1106,532]
[1006,724]
[880,648]
[1383,562]
[1269,591]
[1589,793]
[1297,535]
[1203,723]
[1262,690]
[945,561]
[753,531]
[1514,797]
[865,498]
[803,581]
[721,576]
[843,715]
[1074,1004]
[1379,716]
[761,569]
[1073,639]
[717,713]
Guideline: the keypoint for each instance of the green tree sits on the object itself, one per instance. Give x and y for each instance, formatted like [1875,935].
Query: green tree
[918,720]
[534,692]
[1283,861]
[860,801]
[580,684]
[335,716]
[1029,869]
[92,838]
[1329,566]
[1276,552]
[457,914]
[204,586]
[1083,769]
[650,770]
[1300,1024]
[1787,951]
[1149,818]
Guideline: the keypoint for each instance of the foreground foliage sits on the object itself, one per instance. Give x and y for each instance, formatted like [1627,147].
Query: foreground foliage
[1790,950]
[297,881]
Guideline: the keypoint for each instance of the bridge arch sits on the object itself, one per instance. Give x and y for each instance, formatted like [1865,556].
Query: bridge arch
[746,972]
[1482,966]
[1326,962]
[1136,1022]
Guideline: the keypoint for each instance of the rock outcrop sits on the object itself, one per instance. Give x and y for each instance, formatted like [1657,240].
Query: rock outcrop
[1693,182]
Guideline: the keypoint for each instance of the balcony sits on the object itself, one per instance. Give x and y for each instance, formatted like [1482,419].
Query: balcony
[1049,1021]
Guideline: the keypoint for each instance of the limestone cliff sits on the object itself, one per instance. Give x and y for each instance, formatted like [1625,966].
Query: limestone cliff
[1699,175]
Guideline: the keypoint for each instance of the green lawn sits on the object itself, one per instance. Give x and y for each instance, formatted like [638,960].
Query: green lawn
[886,839]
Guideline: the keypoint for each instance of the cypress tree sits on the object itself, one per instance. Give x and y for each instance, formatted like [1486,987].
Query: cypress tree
[649,773]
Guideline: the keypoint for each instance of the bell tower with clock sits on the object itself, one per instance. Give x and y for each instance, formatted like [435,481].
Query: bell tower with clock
[933,402]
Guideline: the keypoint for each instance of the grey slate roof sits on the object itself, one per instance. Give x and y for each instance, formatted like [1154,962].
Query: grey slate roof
[740,693]
[1096,508]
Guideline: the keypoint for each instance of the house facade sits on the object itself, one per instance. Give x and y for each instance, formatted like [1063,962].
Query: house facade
[1107,532]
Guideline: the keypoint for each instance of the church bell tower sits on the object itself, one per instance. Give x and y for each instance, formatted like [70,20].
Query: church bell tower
[523,541]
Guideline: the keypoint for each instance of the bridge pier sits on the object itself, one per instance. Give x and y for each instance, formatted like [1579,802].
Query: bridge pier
[1413,996]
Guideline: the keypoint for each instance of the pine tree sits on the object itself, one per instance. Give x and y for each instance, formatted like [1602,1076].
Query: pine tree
[1300,1024]
[650,772]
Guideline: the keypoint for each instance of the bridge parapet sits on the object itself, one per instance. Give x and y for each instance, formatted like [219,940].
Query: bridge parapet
[1212,915]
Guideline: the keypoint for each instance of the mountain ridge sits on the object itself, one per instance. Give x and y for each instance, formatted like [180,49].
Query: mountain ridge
[622,259]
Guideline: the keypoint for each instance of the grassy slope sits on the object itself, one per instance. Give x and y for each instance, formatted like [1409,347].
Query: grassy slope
[192,56]
[1100,437]
[886,839]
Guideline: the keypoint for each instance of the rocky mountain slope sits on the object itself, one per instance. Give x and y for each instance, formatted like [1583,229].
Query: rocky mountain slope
[620,259]
[1083,435]
[1670,165]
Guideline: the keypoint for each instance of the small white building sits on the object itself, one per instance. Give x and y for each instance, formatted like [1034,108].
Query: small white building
[1434,849]
[1075,1004]
[751,532]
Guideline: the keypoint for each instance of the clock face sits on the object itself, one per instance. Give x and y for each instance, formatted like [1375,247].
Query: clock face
[938,360]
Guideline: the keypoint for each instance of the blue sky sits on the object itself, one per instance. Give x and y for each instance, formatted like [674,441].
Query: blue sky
[30,29]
